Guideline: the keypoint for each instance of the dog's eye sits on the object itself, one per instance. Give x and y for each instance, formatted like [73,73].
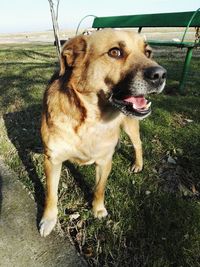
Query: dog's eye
[115,52]
[148,53]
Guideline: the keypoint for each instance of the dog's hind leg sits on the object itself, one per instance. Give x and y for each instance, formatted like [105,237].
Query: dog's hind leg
[49,218]
[103,169]
[131,127]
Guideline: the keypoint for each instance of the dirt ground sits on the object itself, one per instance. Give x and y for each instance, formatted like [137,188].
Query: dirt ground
[34,37]
[48,36]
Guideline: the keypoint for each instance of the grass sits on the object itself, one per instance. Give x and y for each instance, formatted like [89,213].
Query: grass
[154,216]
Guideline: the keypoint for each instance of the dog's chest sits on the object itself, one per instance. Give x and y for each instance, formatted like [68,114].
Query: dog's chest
[91,142]
[97,141]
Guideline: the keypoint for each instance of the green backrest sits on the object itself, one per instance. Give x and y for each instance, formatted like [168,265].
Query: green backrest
[180,19]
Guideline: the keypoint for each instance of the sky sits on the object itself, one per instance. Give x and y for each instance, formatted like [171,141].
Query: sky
[34,15]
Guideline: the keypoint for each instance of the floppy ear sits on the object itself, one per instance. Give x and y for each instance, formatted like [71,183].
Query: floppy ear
[73,53]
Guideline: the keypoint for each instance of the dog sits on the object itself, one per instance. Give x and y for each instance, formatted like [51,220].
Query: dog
[101,88]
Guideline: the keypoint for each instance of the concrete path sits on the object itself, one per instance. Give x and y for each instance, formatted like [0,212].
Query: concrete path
[20,242]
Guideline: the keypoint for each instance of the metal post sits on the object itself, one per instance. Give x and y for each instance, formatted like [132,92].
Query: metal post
[185,70]
[55,27]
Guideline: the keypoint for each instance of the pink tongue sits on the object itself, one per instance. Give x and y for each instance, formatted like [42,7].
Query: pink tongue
[138,101]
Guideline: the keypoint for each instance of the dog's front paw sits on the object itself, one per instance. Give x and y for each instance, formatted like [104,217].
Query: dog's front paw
[99,211]
[46,226]
[137,168]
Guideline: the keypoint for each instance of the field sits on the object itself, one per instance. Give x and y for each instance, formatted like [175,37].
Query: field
[154,216]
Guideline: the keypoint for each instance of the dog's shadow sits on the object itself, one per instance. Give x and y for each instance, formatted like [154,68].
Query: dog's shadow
[23,129]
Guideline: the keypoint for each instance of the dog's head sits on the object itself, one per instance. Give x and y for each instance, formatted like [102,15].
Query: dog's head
[117,63]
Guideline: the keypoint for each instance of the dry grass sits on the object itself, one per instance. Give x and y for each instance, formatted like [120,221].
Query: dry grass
[154,216]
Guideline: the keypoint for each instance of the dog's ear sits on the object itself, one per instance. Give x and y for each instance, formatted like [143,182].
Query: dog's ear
[73,53]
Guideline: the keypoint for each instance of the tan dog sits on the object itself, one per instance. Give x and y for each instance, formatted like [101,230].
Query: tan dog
[101,87]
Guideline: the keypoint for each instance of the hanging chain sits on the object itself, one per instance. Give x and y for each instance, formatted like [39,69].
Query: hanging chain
[197,35]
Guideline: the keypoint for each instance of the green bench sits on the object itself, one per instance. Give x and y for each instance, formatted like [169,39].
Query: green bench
[181,19]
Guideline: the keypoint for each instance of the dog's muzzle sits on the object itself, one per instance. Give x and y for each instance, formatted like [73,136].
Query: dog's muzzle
[129,95]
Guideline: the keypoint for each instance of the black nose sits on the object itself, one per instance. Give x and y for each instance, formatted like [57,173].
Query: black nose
[156,75]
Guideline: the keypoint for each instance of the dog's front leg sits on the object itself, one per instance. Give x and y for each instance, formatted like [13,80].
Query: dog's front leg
[131,127]
[102,171]
[52,172]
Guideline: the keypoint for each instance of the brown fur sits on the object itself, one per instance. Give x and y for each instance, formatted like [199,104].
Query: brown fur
[78,122]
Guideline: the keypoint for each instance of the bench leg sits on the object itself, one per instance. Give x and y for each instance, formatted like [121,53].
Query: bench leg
[185,69]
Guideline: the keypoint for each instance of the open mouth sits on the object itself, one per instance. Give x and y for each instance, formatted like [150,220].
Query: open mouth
[136,106]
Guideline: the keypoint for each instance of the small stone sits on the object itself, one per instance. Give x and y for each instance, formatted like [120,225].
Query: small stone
[74,216]
[188,120]
[171,160]
[64,185]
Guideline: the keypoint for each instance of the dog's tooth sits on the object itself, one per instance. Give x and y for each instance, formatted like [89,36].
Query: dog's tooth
[148,105]
[134,106]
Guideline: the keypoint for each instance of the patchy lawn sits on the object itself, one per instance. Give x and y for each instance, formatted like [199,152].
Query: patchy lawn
[154,216]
